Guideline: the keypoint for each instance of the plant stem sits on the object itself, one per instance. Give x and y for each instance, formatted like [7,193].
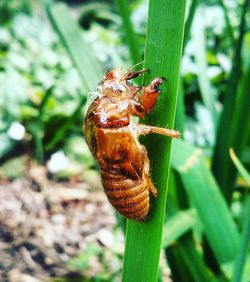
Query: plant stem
[162,57]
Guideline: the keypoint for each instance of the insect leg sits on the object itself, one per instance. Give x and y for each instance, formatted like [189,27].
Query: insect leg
[143,129]
[150,94]
[146,170]
[130,75]
[129,170]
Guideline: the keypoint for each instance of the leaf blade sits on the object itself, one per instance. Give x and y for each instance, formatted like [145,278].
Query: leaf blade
[206,197]
[163,38]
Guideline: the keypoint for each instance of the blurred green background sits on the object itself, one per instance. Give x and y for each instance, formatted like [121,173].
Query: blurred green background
[52,54]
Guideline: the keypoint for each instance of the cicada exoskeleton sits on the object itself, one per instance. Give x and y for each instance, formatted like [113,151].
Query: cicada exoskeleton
[113,140]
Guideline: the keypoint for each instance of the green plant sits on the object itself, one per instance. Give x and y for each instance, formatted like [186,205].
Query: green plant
[227,136]
[206,231]
[162,58]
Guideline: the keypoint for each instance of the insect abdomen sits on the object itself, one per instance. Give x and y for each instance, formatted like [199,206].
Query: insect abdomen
[130,197]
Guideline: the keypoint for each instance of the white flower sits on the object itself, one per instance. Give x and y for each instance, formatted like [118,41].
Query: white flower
[214,18]
[16,131]
[188,66]
[213,71]
[106,237]
[58,162]
[224,62]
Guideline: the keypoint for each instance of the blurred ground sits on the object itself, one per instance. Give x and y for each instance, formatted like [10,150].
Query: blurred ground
[44,224]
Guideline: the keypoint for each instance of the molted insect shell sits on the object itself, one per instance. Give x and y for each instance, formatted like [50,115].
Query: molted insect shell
[113,140]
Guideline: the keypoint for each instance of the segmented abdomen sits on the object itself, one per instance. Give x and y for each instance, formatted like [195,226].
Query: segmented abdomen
[124,169]
[130,197]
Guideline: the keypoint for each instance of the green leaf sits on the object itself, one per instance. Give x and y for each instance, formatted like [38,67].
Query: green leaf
[206,198]
[189,21]
[228,269]
[132,40]
[228,23]
[72,37]
[207,92]
[244,245]
[229,129]
[82,56]
[178,225]
[239,125]
[245,240]
[244,173]
[162,58]
[180,109]
[192,259]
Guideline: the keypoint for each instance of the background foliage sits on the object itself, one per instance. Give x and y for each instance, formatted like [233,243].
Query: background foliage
[53,54]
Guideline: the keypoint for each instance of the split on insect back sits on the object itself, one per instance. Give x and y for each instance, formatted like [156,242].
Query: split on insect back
[112,137]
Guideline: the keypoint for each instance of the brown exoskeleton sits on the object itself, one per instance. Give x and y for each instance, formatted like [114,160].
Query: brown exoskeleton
[113,140]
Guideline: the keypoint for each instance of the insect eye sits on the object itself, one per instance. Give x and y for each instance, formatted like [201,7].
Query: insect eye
[156,87]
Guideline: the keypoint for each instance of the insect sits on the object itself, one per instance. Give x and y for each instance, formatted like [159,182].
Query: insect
[113,140]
